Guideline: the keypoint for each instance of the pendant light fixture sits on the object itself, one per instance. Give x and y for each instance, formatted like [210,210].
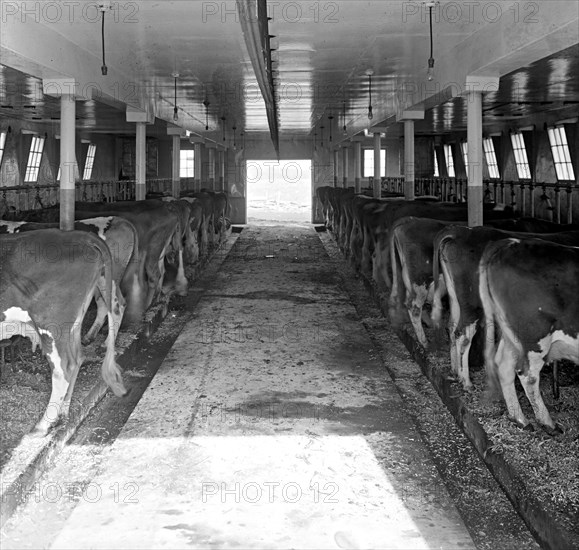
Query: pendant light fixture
[322,136]
[344,129]
[370,72]
[430,70]
[223,127]
[103,7]
[330,118]
[234,144]
[175,75]
[206,105]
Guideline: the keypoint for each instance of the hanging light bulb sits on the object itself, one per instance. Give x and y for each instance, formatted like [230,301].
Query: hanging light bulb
[322,136]
[206,105]
[344,129]
[104,6]
[175,75]
[223,127]
[234,144]
[430,70]
[370,72]
[330,118]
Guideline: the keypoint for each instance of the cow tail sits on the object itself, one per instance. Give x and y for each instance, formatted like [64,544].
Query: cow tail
[110,370]
[438,289]
[136,294]
[490,320]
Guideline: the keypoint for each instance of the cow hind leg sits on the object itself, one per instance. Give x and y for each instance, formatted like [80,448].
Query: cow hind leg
[181,282]
[60,386]
[110,370]
[507,360]
[463,349]
[530,383]
[415,302]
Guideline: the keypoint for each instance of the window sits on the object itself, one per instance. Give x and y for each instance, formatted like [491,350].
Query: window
[187,164]
[89,162]
[491,157]
[449,160]
[521,160]
[436,172]
[560,150]
[464,147]
[34,158]
[2,143]
[369,163]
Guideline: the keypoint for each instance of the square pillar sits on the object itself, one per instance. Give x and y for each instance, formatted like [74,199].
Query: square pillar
[476,86]
[65,89]
[377,183]
[345,166]
[357,167]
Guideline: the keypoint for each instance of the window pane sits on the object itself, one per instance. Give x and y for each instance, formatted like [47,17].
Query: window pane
[369,163]
[34,158]
[2,143]
[561,154]
[90,154]
[187,163]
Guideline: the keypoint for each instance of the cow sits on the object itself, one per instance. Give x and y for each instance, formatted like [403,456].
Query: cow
[411,251]
[158,228]
[207,232]
[422,207]
[322,194]
[456,256]
[122,239]
[182,209]
[47,281]
[529,291]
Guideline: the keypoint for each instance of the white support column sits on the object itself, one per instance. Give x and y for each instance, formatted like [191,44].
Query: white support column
[336,166]
[66,90]
[408,117]
[197,163]
[475,86]
[141,161]
[358,166]
[211,163]
[377,184]
[345,152]
[176,133]
[409,160]
[141,118]
[222,155]
[176,167]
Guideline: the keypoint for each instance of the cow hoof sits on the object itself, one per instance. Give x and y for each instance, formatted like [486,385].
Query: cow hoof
[529,428]
[557,430]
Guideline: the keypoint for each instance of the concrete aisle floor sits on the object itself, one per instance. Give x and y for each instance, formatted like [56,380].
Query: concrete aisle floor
[271,424]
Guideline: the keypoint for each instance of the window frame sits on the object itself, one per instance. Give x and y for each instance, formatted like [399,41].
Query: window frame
[34,159]
[3,138]
[187,171]
[464,151]
[521,157]
[89,162]
[561,154]
[492,163]
[447,147]
[382,164]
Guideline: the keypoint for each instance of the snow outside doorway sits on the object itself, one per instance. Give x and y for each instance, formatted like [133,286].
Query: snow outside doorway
[279,191]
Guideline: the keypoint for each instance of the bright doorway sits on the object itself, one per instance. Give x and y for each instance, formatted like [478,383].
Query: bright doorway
[279,191]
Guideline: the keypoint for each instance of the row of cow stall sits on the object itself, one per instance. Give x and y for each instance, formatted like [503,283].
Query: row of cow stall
[125,255]
[516,278]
